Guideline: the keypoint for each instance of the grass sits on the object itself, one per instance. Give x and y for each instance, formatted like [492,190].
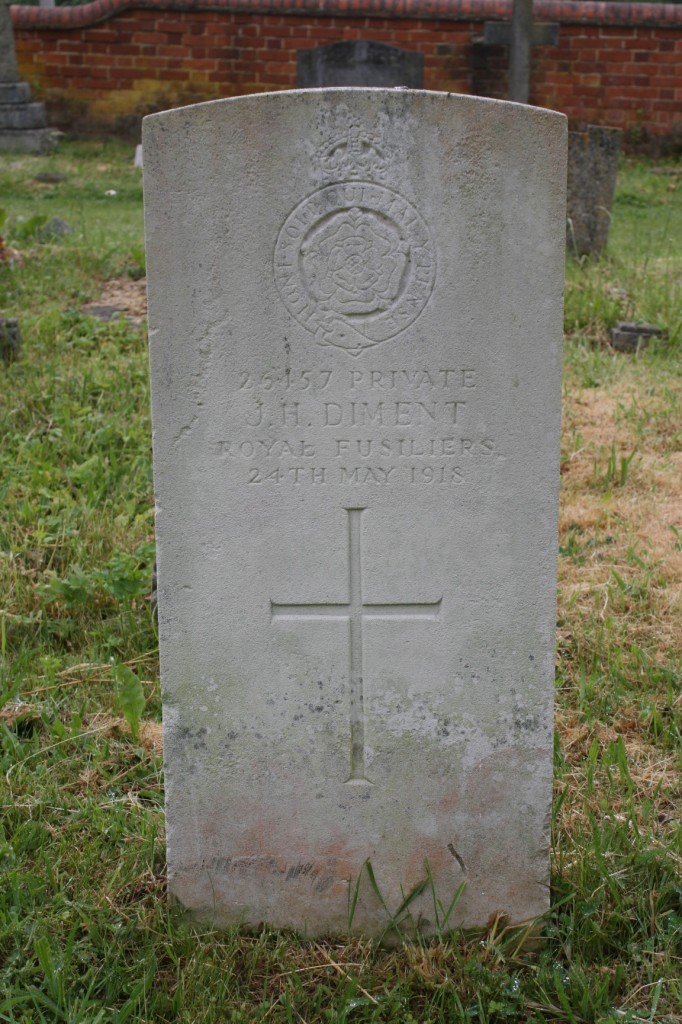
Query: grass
[85,931]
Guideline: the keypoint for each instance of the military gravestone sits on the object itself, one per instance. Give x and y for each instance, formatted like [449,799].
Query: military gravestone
[355,329]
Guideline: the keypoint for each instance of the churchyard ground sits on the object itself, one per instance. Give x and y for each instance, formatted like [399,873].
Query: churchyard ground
[85,933]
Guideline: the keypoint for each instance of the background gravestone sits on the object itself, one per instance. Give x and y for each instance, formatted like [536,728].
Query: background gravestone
[22,123]
[355,322]
[592,170]
[359,63]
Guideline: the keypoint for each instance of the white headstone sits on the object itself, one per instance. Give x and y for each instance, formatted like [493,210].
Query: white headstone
[355,328]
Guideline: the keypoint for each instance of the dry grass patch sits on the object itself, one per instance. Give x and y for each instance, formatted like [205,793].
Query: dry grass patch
[621,512]
[124,296]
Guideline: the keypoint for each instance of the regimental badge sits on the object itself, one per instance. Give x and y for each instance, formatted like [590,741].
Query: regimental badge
[355,262]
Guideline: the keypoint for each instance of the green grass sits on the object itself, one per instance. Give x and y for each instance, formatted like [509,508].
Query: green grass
[642,279]
[85,932]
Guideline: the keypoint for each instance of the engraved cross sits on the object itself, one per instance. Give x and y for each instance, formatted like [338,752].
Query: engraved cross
[355,611]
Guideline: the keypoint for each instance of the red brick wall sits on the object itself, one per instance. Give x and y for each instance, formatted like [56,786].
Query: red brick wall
[105,64]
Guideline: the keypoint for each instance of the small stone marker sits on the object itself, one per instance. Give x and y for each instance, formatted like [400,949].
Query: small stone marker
[55,227]
[22,123]
[50,178]
[10,340]
[355,313]
[592,171]
[359,62]
[631,337]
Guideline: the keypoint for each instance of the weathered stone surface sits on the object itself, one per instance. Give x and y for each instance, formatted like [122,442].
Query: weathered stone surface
[15,92]
[355,327]
[359,62]
[631,337]
[8,53]
[27,140]
[22,115]
[592,170]
[55,227]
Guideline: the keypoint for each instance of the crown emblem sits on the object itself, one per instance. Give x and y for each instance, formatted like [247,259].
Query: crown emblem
[354,156]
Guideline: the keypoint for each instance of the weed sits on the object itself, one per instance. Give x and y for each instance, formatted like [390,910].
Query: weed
[616,471]
[130,696]
[139,267]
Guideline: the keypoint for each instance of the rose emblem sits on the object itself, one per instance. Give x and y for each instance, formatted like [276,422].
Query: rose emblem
[355,263]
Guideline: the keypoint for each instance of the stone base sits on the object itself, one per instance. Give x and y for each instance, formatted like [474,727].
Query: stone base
[22,123]
[15,92]
[27,140]
[21,116]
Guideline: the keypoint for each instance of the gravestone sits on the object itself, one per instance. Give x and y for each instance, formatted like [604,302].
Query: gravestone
[355,315]
[359,62]
[22,123]
[593,154]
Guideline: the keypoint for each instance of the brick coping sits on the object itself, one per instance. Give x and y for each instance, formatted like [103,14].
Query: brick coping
[596,12]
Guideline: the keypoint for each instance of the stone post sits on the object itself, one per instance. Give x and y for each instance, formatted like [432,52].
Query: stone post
[9,71]
[519,51]
[22,123]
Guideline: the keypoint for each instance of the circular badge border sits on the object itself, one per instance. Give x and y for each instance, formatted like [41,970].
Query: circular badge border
[365,195]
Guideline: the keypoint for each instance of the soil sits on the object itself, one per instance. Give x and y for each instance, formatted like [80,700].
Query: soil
[124,297]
